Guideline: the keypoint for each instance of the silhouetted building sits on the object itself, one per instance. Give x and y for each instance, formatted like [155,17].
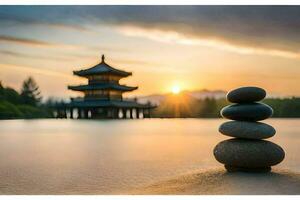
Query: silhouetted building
[103,96]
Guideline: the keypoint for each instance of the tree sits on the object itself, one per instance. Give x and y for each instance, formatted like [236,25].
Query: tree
[209,108]
[30,92]
[12,96]
[9,94]
[9,111]
[1,91]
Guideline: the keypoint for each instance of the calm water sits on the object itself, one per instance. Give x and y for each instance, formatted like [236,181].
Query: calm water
[79,156]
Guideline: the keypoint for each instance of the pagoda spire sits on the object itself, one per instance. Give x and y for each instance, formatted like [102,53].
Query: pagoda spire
[103,58]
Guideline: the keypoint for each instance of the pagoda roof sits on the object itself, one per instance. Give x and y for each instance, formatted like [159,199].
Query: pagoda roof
[110,103]
[102,68]
[102,86]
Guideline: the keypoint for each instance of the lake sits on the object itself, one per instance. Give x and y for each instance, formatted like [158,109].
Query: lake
[55,156]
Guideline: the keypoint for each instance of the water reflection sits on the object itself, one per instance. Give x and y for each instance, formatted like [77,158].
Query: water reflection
[92,156]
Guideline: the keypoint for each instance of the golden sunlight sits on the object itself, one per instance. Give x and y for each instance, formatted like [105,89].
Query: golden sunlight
[176,89]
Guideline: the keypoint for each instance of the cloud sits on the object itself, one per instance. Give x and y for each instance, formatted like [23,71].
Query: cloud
[88,52]
[37,71]
[179,38]
[12,20]
[18,54]
[34,43]
[24,41]
[267,30]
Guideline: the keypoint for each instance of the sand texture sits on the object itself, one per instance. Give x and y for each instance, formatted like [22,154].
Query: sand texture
[218,181]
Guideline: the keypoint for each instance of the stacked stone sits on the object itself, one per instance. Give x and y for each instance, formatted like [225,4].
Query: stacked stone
[247,151]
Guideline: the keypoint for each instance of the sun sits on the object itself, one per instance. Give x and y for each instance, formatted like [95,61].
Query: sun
[176,89]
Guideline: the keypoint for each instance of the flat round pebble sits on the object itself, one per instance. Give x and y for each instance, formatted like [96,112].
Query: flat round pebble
[248,130]
[246,95]
[247,112]
[243,153]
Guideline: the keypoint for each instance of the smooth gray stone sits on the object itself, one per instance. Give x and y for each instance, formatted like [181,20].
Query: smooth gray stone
[247,112]
[248,130]
[243,153]
[246,95]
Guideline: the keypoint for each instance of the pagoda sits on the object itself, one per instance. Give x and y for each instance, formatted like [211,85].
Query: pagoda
[103,95]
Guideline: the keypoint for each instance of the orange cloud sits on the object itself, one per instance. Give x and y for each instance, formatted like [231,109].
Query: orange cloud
[168,36]
[35,43]
[36,71]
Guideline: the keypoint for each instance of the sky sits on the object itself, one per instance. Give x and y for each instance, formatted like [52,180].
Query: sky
[192,47]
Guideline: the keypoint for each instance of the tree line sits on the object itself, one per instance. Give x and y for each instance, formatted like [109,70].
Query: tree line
[188,107]
[28,104]
[23,105]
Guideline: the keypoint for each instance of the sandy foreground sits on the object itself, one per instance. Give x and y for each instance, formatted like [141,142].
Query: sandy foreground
[218,181]
[206,182]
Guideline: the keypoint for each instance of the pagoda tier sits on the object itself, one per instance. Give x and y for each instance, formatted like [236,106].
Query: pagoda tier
[111,103]
[103,86]
[102,91]
[102,69]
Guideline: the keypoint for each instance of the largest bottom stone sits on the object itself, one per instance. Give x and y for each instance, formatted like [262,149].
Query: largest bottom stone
[243,153]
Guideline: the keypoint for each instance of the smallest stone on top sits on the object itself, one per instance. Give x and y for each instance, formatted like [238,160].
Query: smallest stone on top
[246,95]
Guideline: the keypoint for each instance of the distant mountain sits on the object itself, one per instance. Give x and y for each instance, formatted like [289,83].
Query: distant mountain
[202,94]
[154,99]
[199,94]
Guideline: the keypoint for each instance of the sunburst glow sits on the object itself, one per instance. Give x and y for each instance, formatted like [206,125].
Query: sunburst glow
[176,89]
